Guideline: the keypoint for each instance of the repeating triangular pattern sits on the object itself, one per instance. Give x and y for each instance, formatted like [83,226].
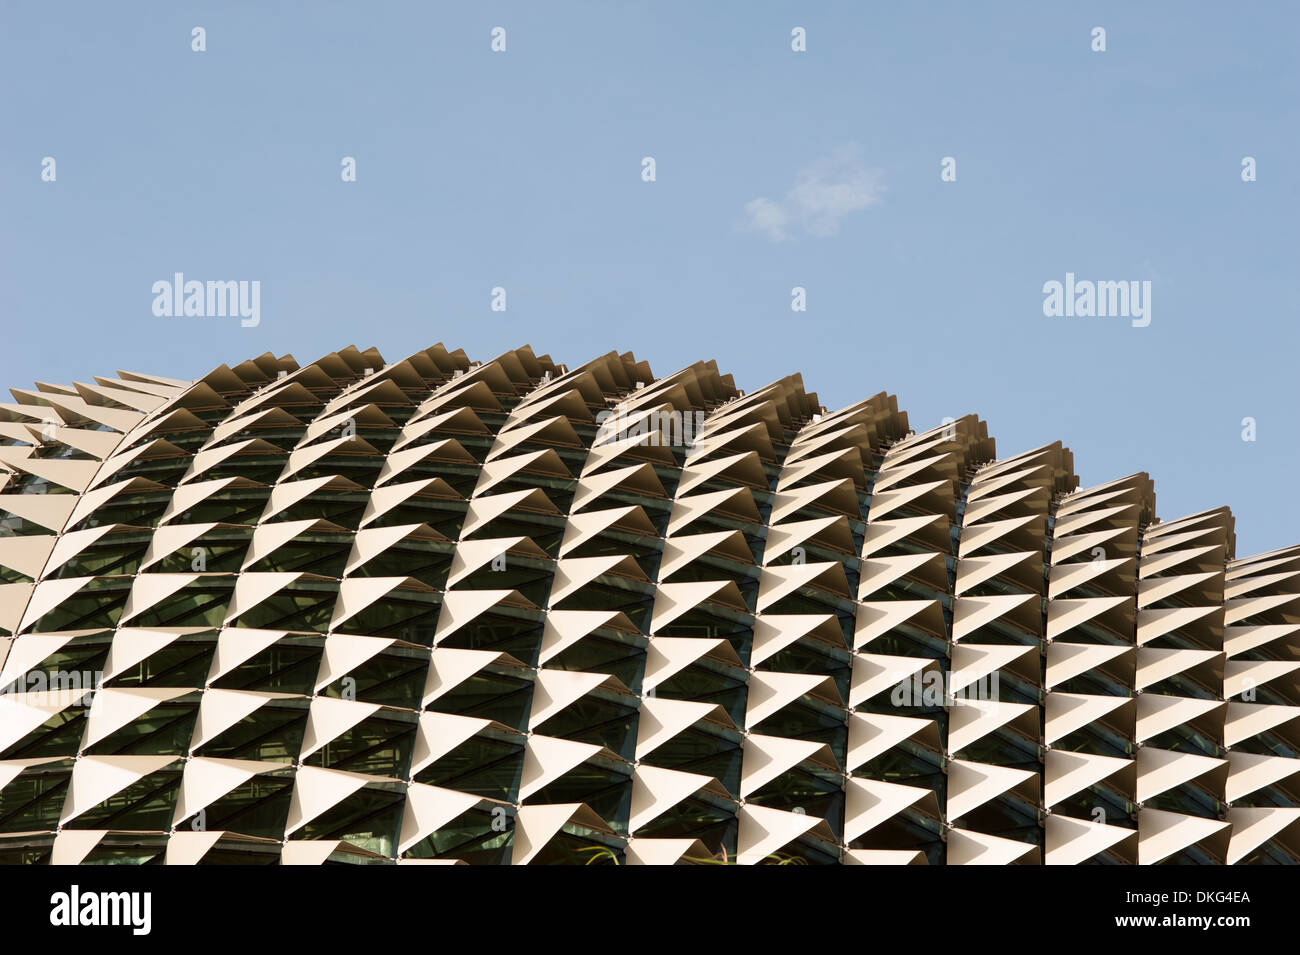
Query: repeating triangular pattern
[508,612]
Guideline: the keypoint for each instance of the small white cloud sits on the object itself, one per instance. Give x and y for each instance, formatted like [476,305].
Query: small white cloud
[823,194]
[769,219]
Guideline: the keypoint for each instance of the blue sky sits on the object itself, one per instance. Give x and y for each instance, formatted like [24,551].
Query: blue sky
[522,169]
